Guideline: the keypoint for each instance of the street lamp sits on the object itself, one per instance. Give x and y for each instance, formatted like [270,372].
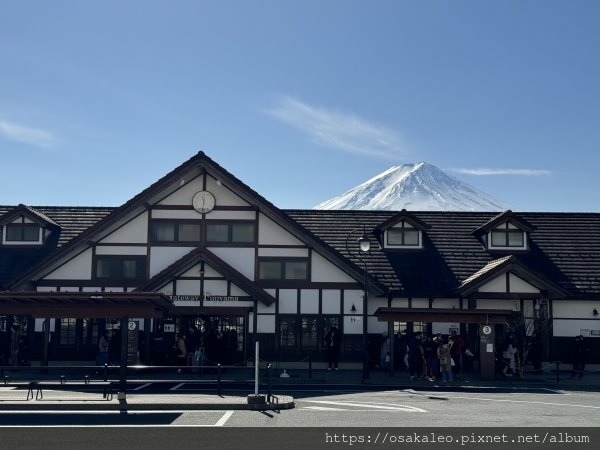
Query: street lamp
[364,244]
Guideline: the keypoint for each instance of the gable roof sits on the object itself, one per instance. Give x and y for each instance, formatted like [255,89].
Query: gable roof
[195,257]
[190,169]
[504,265]
[33,214]
[506,216]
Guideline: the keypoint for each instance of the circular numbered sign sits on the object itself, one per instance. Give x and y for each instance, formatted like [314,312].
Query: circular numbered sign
[132,325]
[487,329]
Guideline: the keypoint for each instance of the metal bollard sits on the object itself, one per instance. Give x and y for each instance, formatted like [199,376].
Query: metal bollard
[219,379]
[269,379]
[105,372]
[309,367]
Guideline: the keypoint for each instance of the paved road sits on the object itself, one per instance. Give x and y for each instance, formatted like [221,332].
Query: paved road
[393,408]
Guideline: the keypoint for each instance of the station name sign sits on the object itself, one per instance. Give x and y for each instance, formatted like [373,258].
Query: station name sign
[209,298]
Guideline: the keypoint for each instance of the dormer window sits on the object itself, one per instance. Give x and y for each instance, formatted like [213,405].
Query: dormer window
[403,235]
[507,236]
[22,233]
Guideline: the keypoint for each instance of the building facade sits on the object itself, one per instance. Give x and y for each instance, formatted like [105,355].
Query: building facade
[239,269]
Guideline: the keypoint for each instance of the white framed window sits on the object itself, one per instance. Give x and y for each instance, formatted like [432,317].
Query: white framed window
[507,236]
[403,235]
[18,233]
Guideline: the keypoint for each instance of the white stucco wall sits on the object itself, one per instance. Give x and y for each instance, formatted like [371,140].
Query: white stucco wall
[223,196]
[265,323]
[324,271]
[183,195]
[574,309]
[188,287]
[288,301]
[309,301]
[513,305]
[269,233]
[163,257]
[572,328]
[121,250]
[241,259]
[78,268]
[519,285]
[331,301]
[133,232]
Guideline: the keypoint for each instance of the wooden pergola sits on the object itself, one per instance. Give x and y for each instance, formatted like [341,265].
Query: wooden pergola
[81,305]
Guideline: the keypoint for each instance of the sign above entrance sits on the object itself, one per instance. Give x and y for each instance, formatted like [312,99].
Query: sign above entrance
[210,298]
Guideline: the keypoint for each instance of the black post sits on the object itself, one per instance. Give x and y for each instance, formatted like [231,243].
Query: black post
[105,371]
[365,339]
[310,367]
[123,367]
[219,379]
[269,379]
[46,338]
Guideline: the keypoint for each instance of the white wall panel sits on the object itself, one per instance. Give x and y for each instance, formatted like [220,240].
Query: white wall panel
[353,325]
[574,309]
[519,285]
[375,326]
[352,297]
[498,284]
[262,308]
[288,301]
[133,232]
[183,196]
[215,287]
[188,287]
[309,301]
[572,328]
[331,301]
[269,233]
[223,196]
[241,259]
[325,271]
[163,257]
[399,303]
[265,323]
[78,268]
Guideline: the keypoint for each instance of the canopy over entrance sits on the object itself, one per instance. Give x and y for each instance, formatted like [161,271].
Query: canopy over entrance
[480,316]
[81,305]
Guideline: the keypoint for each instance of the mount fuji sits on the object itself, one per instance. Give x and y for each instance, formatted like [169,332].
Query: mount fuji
[416,187]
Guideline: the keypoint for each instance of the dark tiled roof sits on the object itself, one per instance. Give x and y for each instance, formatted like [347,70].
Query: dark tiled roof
[71,222]
[565,248]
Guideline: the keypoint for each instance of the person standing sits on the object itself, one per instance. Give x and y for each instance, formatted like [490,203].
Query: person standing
[445,358]
[182,353]
[332,342]
[430,354]
[415,357]
[102,357]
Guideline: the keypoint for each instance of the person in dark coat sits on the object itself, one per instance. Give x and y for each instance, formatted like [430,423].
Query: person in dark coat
[579,352]
[333,340]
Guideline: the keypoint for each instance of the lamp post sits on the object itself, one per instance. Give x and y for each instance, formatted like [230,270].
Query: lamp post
[364,246]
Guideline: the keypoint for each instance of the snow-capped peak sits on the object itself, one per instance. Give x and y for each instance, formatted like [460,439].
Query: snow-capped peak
[417,187]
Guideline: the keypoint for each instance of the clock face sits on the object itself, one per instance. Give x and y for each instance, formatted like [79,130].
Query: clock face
[203,202]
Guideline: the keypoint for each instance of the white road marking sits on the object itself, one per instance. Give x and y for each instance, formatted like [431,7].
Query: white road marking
[177,386]
[324,408]
[525,401]
[371,405]
[141,387]
[224,419]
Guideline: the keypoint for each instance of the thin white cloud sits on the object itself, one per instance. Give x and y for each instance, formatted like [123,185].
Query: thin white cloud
[27,135]
[335,129]
[484,172]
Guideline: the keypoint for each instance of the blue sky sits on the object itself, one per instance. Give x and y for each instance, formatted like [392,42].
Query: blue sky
[301,100]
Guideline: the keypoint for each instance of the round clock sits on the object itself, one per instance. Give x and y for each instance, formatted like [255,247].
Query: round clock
[203,202]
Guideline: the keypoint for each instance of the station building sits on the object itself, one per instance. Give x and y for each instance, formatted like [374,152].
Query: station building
[229,261]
